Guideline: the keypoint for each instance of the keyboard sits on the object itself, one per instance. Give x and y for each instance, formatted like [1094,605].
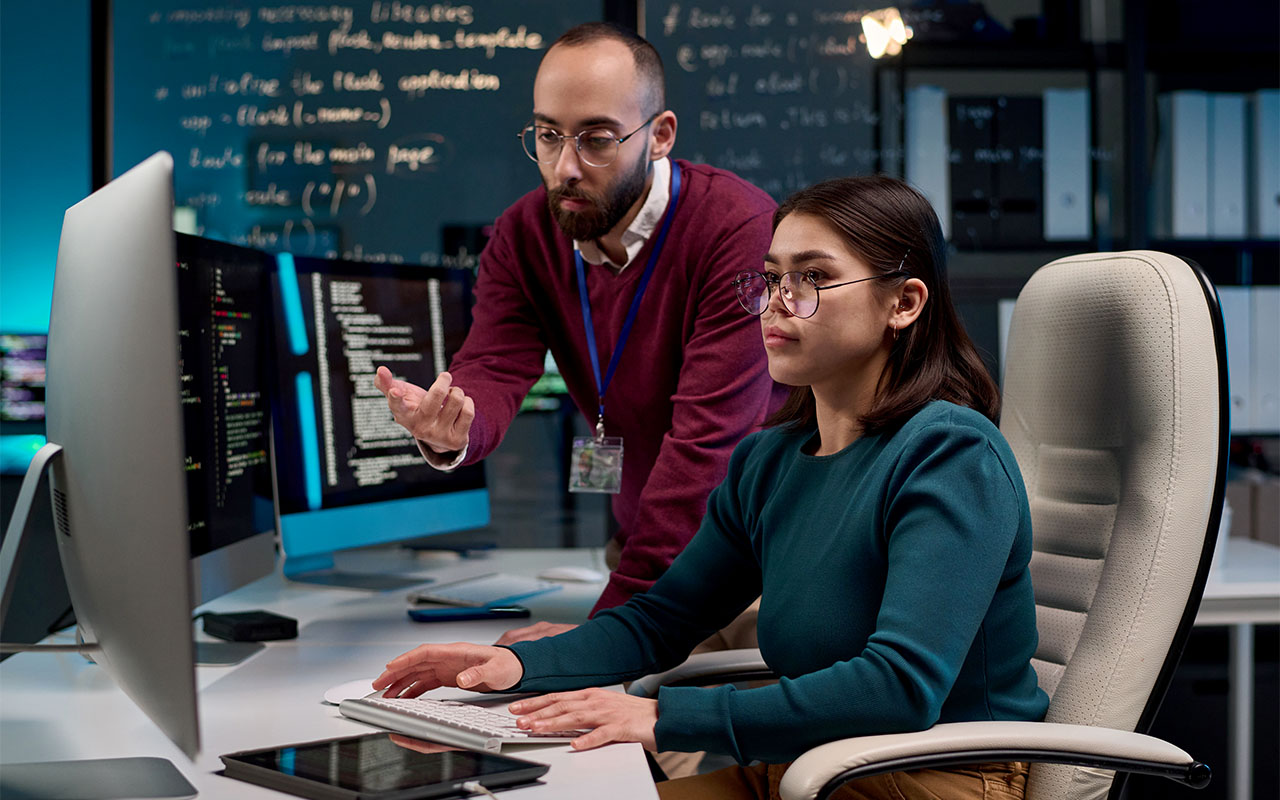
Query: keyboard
[494,588]
[448,722]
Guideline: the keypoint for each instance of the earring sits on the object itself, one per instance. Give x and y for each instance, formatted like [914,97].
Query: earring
[895,334]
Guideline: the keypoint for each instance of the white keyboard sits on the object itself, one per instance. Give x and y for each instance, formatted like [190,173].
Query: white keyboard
[448,722]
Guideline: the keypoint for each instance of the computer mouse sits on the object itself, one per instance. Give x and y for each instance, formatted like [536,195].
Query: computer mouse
[576,574]
[349,691]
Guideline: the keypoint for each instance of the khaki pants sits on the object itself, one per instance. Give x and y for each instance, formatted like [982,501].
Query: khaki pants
[739,634]
[996,781]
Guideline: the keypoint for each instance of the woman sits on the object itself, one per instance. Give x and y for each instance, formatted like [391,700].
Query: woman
[882,520]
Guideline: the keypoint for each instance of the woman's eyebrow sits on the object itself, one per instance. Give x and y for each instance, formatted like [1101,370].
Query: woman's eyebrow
[803,255]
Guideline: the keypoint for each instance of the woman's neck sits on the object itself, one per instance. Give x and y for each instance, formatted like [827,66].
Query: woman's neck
[840,406]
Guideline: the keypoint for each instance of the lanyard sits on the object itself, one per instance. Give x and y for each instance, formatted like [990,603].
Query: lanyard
[601,385]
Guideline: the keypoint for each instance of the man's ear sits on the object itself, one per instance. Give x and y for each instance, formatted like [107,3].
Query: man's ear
[664,135]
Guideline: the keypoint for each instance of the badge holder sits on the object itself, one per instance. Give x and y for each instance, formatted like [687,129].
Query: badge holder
[596,464]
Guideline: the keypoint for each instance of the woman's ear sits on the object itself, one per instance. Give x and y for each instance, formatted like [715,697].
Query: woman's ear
[912,296]
[664,135]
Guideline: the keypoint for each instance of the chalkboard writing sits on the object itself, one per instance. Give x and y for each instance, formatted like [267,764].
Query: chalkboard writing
[359,130]
[783,95]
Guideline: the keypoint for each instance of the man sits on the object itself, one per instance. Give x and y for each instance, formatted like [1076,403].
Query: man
[690,379]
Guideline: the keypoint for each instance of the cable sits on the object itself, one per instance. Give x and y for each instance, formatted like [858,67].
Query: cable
[475,787]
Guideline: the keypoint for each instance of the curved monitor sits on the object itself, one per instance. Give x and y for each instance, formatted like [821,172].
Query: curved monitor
[347,475]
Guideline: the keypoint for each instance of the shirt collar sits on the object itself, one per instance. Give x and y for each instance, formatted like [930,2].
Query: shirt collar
[642,227]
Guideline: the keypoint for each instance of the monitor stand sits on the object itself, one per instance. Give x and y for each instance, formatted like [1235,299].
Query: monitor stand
[319,569]
[96,779]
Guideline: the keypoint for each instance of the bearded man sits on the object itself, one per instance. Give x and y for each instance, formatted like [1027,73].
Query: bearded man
[621,264]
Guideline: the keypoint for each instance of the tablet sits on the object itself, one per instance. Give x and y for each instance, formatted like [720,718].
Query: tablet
[377,766]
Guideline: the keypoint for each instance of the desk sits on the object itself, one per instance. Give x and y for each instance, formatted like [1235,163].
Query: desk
[1242,592]
[58,706]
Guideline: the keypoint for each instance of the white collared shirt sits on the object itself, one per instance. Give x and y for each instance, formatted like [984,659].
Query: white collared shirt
[642,227]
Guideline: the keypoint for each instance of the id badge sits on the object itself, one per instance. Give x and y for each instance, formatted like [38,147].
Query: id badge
[596,465]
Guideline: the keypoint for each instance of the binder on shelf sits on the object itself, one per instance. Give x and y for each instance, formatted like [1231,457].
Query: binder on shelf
[1182,180]
[1068,189]
[1236,306]
[1019,170]
[973,191]
[1264,388]
[1227,191]
[927,136]
[1265,169]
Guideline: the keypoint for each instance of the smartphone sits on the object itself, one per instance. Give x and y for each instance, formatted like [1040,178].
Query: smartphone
[458,613]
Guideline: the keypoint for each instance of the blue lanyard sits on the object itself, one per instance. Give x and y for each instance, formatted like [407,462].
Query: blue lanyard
[601,385]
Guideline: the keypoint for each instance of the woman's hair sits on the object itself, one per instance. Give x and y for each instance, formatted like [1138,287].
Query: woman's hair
[883,220]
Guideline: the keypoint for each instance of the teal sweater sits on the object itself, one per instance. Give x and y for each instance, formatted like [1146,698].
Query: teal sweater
[894,589]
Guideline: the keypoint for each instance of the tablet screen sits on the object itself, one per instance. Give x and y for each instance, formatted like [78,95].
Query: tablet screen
[379,764]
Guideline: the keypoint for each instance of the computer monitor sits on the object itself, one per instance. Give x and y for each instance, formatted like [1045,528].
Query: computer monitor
[115,453]
[22,379]
[151,416]
[347,475]
[224,348]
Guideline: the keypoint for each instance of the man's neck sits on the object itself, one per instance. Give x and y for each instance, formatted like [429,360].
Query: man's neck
[611,242]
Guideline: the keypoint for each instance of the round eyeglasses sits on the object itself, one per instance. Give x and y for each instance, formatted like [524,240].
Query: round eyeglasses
[799,290]
[596,147]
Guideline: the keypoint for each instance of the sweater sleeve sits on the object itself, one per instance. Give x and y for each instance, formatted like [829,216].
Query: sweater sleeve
[722,394]
[951,516]
[505,350]
[710,583]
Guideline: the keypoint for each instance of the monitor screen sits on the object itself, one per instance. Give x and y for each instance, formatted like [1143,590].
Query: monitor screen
[22,358]
[223,344]
[347,474]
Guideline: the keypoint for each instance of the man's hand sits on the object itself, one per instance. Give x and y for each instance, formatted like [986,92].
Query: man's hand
[440,416]
[538,630]
[610,716]
[477,667]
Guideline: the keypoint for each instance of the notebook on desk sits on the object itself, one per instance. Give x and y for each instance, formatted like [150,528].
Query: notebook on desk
[490,589]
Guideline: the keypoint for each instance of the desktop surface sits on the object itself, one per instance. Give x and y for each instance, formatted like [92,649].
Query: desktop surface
[58,706]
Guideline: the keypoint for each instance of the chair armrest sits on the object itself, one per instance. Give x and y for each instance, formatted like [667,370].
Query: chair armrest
[831,764]
[722,666]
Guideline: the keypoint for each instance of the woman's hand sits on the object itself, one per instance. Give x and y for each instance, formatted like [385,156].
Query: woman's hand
[477,667]
[610,716]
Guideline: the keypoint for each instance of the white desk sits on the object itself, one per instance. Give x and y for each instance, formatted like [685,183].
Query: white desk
[58,706]
[1242,592]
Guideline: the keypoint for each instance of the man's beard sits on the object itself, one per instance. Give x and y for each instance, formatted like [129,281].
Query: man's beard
[597,220]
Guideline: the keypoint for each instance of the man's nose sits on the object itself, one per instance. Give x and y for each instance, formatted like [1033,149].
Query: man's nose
[568,166]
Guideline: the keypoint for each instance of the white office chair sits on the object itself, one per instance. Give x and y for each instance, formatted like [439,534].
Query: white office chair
[1115,406]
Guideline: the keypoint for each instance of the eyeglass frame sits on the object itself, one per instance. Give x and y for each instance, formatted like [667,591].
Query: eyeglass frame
[770,284]
[577,141]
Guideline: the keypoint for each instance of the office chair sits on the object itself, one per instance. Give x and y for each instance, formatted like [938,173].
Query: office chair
[1115,405]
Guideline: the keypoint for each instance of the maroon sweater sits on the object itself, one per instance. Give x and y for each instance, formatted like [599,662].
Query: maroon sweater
[692,379]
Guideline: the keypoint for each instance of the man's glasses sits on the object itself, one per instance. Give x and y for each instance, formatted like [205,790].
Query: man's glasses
[596,147]
[799,290]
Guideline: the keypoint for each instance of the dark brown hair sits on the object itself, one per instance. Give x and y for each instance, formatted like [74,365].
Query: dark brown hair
[882,220]
[648,62]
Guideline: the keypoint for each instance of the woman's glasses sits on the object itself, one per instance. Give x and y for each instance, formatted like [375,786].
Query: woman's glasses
[799,290]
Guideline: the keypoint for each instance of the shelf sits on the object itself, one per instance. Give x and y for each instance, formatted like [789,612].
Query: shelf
[1005,55]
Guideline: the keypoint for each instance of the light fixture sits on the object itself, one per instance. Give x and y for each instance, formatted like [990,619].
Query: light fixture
[884,32]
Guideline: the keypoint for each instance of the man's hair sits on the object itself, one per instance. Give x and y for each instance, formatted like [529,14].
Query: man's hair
[648,63]
[892,227]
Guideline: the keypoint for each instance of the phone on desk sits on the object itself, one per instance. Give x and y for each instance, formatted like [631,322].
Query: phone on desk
[459,613]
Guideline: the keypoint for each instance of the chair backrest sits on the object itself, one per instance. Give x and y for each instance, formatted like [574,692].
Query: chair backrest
[1114,404]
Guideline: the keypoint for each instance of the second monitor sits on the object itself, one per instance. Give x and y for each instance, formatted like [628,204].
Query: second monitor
[347,474]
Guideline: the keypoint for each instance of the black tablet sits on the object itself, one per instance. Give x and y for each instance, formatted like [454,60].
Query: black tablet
[377,766]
